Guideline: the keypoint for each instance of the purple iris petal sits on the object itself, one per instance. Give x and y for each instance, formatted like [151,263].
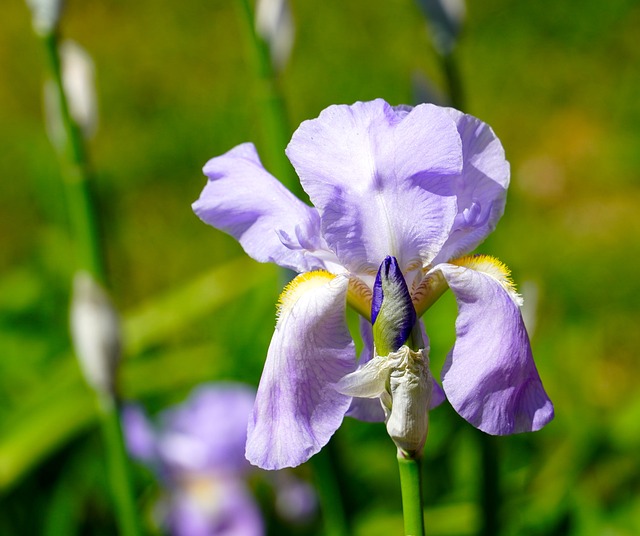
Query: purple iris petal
[297,411]
[215,509]
[207,433]
[244,200]
[139,435]
[480,189]
[381,179]
[489,376]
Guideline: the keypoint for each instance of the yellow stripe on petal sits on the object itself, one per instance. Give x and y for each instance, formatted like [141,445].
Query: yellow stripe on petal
[302,284]
[492,267]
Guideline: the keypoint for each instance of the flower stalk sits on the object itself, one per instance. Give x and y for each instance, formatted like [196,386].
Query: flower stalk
[270,104]
[96,358]
[411,488]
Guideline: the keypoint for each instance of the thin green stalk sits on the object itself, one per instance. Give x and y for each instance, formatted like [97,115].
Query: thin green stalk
[75,176]
[411,486]
[328,488]
[489,485]
[454,82]
[271,107]
[118,469]
[84,224]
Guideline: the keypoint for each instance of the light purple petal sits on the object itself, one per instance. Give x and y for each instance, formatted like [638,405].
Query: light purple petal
[208,432]
[490,377]
[380,178]
[244,200]
[481,189]
[139,435]
[214,508]
[297,411]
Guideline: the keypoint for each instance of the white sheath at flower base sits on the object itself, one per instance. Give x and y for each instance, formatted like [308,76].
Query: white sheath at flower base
[95,331]
[403,383]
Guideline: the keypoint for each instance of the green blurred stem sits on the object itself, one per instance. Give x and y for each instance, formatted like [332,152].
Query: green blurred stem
[271,107]
[411,486]
[489,485]
[84,225]
[328,488]
[454,82]
[75,175]
[118,468]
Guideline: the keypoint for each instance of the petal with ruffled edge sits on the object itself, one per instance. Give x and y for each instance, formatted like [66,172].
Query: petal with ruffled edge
[381,179]
[272,225]
[297,411]
[481,188]
[489,376]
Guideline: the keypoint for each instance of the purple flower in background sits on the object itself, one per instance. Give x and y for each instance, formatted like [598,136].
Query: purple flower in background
[197,449]
[400,196]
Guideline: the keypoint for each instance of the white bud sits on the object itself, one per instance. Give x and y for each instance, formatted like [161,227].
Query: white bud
[410,389]
[46,15]
[95,331]
[78,80]
[274,23]
[402,381]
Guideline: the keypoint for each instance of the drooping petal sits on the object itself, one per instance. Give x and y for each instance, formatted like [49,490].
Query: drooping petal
[480,189]
[489,376]
[297,410]
[380,177]
[272,225]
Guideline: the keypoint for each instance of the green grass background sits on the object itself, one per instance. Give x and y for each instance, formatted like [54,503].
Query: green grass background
[560,84]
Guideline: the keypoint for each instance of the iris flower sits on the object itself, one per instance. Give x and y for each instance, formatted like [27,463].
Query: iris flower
[401,195]
[197,450]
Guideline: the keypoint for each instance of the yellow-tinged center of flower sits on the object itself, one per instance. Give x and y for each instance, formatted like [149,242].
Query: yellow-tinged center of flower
[300,285]
[492,267]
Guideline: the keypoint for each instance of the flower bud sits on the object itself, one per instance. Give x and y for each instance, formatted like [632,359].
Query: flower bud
[95,331]
[392,313]
[46,15]
[78,79]
[274,23]
[403,383]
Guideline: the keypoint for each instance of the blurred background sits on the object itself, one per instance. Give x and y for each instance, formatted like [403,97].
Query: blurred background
[559,82]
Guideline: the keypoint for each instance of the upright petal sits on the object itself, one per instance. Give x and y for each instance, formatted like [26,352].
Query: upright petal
[480,189]
[297,410]
[380,177]
[489,375]
[244,200]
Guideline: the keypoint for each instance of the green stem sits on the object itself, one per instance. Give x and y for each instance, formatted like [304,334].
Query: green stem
[75,175]
[118,469]
[328,488]
[84,224]
[271,107]
[454,82]
[489,485]
[411,486]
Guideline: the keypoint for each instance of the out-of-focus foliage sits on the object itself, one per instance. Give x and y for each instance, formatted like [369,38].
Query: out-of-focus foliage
[559,83]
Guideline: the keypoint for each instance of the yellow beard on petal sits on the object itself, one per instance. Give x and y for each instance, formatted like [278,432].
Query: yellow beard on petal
[300,285]
[493,267]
